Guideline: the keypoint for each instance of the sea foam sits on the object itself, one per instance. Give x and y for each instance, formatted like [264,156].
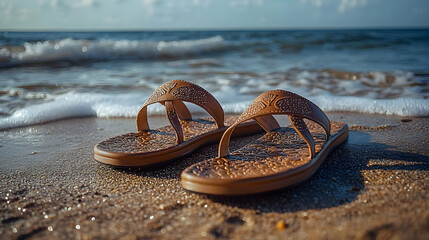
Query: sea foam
[127,105]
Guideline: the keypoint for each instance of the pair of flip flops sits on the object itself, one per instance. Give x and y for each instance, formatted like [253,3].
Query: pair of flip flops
[284,156]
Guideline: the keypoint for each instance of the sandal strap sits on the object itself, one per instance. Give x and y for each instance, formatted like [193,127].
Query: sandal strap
[172,94]
[277,102]
[171,113]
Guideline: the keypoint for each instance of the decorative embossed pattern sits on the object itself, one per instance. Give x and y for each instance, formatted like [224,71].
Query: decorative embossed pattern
[278,151]
[299,123]
[293,103]
[161,90]
[191,94]
[158,139]
[269,98]
[252,109]
[296,105]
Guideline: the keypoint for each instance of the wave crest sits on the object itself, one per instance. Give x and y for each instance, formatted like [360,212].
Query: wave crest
[71,50]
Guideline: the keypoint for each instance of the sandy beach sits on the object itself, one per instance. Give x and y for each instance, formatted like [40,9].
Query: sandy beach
[373,187]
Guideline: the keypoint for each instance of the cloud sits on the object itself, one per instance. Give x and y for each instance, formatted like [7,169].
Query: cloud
[10,12]
[110,19]
[50,3]
[343,5]
[150,6]
[85,3]
[22,14]
[69,4]
[349,4]
[246,3]
[6,11]
[316,3]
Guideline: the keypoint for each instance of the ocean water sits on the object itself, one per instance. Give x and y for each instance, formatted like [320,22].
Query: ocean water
[55,75]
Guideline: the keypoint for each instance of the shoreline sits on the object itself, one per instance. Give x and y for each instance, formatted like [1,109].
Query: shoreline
[373,186]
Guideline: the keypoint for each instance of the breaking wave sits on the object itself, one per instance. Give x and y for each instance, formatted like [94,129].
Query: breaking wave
[72,105]
[71,50]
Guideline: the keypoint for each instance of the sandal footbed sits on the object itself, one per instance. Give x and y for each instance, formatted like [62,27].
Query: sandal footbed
[153,146]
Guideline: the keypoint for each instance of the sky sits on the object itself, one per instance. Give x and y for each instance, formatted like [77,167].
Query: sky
[210,14]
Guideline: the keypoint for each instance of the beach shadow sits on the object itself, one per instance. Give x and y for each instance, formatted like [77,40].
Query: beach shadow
[338,181]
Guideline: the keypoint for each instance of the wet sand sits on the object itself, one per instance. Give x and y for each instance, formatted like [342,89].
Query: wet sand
[373,187]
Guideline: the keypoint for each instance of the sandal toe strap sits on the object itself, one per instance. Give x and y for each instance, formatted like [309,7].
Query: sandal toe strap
[278,102]
[172,94]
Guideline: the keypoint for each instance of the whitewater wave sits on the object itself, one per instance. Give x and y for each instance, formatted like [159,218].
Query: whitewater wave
[71,50]
[127,105]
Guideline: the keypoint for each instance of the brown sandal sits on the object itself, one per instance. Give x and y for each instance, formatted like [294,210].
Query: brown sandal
[280,158]
[184,136]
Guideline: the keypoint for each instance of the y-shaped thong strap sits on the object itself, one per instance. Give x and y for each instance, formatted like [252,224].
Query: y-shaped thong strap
[280,102]
[172,94]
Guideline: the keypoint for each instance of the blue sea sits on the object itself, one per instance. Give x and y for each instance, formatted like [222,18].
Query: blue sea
[46,76]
